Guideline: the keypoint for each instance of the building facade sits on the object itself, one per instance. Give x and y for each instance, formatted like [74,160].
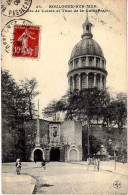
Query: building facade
[53,141]
[62,141]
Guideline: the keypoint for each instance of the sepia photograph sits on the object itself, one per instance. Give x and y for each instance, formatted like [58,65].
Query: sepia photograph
[64,97]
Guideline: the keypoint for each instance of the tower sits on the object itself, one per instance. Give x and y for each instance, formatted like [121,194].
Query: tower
[87,65]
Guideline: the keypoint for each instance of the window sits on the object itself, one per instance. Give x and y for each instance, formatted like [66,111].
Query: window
[83,80]
[98,82]
[71,84]
[91,61]
[55,131]
[91,81]
[103,63]
[76,82]
[83,61]
[76,63]
[97,62]
[87,27]
[71,65]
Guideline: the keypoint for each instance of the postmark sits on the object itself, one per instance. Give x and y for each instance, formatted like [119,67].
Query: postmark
[117,184]
[7,33]
[26,41]
[15,8]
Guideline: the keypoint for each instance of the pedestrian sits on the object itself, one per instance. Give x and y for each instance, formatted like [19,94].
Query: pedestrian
[88,162]
[98,164]
[18,166]
[43,164]
[95,164]
[123,159]
[35,159]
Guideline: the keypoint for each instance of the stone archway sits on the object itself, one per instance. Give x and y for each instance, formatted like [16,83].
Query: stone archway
[37,154]
[73,155]
[55,154]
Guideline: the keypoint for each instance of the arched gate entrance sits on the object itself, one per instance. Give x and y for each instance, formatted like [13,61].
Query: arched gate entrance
[55,154]
[38,155]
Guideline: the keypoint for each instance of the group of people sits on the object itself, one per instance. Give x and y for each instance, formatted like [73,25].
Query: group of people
[18,165]
[93,161]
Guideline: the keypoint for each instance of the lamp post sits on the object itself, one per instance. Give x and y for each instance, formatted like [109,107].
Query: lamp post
[110,143]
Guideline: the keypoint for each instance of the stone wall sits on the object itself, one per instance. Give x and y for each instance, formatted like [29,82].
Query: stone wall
[30,136]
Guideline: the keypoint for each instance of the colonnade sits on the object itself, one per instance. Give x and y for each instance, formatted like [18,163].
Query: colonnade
[87,80]
[88,61]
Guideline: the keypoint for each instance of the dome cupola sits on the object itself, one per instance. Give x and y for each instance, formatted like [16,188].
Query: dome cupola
[87,29]
[87,65]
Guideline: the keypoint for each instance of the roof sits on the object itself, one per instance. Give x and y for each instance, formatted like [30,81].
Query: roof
[87,46]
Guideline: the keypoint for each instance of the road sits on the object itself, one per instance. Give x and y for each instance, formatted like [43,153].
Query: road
[69,178]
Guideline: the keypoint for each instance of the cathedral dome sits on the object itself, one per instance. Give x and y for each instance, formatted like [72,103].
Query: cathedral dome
[87,65]
[87,46]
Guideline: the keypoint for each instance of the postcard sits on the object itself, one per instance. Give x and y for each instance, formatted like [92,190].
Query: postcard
[64,100]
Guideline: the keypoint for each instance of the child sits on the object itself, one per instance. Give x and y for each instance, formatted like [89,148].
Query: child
[43,164]
[18,166]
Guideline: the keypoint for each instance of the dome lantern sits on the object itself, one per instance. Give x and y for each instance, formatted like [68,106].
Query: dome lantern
[87,29]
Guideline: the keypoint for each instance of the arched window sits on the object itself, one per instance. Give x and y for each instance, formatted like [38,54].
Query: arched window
[71,65]
[97,62]
[102,63]
[83,81]
[91,60]
[83,61]
[71,83]
[103,80]
[76,82]
[87,27]
[98,81]
[90,81]
[76,63]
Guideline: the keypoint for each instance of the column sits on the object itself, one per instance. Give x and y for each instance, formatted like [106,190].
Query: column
[73,83]
[101,84]
[95,79]
[104,83]
[69,83]
[94,63]
[73,64]
[100,63]
[79,81]
[80,62]
[87,61]
[87,80]
[104,65]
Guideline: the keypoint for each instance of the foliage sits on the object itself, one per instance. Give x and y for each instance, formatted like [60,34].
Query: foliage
[15,111]
[88,105]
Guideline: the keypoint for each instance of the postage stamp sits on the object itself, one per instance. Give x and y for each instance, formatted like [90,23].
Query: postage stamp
[15,8]
[7,33]
[26,41]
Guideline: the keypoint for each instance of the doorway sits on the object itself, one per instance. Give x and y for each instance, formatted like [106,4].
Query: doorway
[73,155]
[38,155]
[55,154]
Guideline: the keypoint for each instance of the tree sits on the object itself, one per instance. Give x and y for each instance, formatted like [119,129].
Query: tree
[28,87]
[17,107]
[115,114]
[13,112]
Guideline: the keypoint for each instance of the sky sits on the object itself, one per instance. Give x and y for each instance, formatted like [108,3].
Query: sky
[60,31]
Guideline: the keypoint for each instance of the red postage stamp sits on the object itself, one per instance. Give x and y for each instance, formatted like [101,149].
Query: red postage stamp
[26,41]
